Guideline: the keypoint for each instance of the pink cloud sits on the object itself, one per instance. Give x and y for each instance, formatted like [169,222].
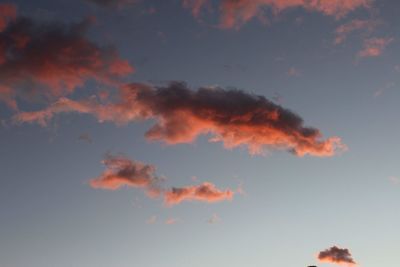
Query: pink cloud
[374,47]
[123,172]
[235,13]
[51,60]
[171,221]
[206,192]
[355,25]
[336,255]
[232,117]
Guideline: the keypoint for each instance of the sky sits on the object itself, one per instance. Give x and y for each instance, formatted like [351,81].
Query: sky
[175,133]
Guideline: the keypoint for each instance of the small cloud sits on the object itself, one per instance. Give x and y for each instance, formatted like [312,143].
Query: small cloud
[374,47]
[152,220]
[170,221]
[85,137]
[214,219]
[381,90]
[123,172]
[394,180]
[205,192]
[342,32]
[294,72]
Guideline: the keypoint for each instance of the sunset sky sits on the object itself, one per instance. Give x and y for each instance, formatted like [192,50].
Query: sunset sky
[192,133]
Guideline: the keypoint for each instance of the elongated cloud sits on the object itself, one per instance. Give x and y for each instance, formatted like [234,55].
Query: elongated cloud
[355,25]
[51,60]
[124,172]
[232,117]
[205,192]
[7,12]
[336,255]
[234,13]
[374,47]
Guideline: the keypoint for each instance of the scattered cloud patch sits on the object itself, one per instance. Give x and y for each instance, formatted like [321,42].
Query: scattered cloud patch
[374,47]
[235,13]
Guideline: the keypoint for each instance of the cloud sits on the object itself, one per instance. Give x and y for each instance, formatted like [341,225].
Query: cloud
[235,13]
[123,172]
[294,72]
[336,255]
[170,221]
[7,12]
[214,219]
[85,137]
[344,30]
[394,180]
[206,192]
[374,47]
[152,220]
[53,59]
[230,116]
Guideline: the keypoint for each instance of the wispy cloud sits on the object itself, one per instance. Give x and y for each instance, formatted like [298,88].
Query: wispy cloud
[374,47]
[171,221]
[233,117]
[235,13]
[394,180]
[344,30]
[152,220]
[336,255]
[205,192]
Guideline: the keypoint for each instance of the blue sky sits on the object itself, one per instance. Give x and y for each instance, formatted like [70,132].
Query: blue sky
[288,209]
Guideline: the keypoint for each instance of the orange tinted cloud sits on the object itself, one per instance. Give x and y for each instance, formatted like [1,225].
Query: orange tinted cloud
[206,192]
[7,12]
[51,60]
[355,25]
[234,13]
[336,255]
[123,172]
[374,47]
[232,117]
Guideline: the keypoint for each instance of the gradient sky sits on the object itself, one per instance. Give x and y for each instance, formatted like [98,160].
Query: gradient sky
[335,64]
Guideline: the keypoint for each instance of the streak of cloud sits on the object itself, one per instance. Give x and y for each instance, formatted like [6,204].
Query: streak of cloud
[235,13]
[205,192]
[344,30]
[233,117]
